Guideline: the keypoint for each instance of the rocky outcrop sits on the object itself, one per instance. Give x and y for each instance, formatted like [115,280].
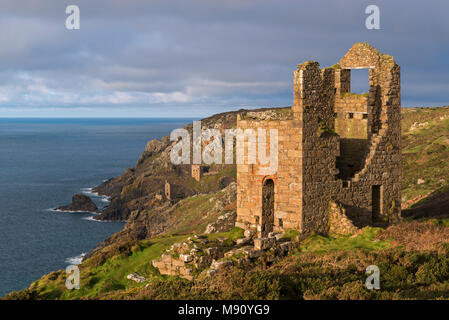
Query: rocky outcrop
[224,223]
[80,203]
[117,210]
[136,278]
[185,259]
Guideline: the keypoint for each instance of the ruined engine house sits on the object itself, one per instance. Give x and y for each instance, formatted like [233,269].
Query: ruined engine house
[335,147]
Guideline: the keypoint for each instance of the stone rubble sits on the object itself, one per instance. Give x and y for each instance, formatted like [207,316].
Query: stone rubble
[193,257]
[135,277]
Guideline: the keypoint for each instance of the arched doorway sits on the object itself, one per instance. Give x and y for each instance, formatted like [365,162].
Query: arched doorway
[267,207]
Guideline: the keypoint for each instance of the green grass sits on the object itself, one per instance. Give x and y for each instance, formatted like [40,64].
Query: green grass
[291,234]
[411,150]
[189,216]
[111,275]
[235,233]
[365,240]
[425,152]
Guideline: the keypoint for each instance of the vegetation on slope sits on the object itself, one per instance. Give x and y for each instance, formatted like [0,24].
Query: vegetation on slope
[106,277]
[413,256]
[322,268]
[425,151]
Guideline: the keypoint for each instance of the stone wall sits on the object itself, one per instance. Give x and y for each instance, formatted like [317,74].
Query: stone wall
[287,189]
[382,164]
[314,97]
[328,124]
[169,265]
[339,223]
[352,155]
[351,119]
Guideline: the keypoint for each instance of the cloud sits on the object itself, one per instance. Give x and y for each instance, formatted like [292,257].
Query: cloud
[203,56]
[160,97]
[4,97]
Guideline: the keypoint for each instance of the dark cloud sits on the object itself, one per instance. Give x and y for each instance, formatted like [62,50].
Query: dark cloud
[200,57]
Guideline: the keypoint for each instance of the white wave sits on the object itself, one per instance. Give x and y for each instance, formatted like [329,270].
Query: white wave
[70,211]
[105,199]
[75,260]
[91,218]
[89,192]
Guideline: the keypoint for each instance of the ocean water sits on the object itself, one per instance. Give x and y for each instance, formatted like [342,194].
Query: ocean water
[43,162]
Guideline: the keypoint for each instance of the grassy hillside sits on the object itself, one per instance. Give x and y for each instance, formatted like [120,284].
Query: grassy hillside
[321,268]
[413,256]
[425,151]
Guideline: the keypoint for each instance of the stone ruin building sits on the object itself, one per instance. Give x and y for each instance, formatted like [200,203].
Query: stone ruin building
[196,172]
[171,192]
[336,150]
[167,190]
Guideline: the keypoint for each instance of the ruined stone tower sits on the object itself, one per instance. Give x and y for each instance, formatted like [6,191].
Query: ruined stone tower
[196,172]
[167,190]
[334,146]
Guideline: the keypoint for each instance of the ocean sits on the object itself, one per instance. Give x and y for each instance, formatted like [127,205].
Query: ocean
[43,162]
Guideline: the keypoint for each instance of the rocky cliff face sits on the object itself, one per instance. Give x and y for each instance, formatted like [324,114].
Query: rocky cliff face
[137,195]
[137,188]
[80,203]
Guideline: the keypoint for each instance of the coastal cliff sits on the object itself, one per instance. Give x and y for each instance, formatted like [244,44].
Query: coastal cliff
[325,267]
[137,188]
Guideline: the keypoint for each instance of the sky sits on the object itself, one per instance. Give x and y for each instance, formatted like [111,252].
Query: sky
[186,58]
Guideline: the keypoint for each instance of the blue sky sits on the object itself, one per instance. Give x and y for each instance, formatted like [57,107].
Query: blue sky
[185,58]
